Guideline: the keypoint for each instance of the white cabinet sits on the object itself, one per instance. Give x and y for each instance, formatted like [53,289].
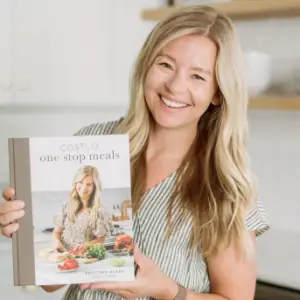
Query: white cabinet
[68,53]
[62,51]
[6,34]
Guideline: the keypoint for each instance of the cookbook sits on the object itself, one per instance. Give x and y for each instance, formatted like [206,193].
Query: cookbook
[78,224]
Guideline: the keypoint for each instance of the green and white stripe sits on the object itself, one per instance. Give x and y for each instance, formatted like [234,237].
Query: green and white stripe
[172,255]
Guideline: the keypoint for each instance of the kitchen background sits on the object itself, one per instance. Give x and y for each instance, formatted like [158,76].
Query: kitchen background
[45,212]
[65,64]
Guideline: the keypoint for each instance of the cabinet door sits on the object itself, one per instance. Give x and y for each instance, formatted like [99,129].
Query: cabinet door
[62,52]
[6,33]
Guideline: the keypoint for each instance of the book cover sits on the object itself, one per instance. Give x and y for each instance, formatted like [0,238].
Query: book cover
[78,222]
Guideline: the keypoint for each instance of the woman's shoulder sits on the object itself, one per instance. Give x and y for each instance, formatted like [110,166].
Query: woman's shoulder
[98,128]
[64,205]
[104,213]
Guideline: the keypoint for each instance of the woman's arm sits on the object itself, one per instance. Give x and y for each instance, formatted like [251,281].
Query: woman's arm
[56,237]
[51,288]
[56,234]
[59,227]
[231,278]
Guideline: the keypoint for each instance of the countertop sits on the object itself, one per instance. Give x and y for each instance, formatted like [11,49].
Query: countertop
[278,258]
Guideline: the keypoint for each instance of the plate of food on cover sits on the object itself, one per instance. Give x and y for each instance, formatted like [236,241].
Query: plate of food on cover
[70,264]
[79,253]
[93,254]
[124,244]
[52,256]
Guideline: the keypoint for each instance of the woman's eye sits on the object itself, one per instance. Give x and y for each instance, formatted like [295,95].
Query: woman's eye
[198,77]
[166,65]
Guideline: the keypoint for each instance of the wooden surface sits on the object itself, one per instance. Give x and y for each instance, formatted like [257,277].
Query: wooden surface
[269,292]
[239,9]
[277,103]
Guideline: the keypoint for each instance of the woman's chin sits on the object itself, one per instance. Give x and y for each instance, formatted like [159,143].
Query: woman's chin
[169,123]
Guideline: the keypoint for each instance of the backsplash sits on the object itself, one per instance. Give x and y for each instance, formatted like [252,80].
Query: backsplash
[276,37]
[274,150]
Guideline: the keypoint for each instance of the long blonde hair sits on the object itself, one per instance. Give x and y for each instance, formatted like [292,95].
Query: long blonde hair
[214,183]
[94,201]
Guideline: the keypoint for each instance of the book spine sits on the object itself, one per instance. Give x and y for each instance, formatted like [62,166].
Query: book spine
[22,240]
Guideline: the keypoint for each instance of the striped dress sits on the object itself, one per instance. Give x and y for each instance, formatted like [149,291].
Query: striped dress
[173,255]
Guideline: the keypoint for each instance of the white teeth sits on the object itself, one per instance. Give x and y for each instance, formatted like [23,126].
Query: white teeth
[172,103]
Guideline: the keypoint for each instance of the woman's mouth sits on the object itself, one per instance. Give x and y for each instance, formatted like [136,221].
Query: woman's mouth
[173,104]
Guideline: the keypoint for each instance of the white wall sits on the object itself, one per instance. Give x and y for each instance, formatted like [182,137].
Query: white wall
[274,149]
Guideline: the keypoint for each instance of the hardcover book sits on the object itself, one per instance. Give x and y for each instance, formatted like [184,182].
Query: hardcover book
[78,222]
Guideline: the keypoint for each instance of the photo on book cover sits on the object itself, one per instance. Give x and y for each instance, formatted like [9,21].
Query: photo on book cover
[81,209]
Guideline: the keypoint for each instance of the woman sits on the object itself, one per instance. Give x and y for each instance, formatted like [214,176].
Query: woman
[194,199]
[82,222]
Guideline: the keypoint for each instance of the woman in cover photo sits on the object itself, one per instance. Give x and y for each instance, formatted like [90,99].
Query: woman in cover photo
[195,201]
[82,221]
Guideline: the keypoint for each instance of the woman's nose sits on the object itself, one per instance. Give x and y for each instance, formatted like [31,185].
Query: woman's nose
[176,84]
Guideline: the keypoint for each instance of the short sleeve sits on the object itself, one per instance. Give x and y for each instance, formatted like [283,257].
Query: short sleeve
[256,219]
[98,128]
[61,217]
[104,225]
[85,130]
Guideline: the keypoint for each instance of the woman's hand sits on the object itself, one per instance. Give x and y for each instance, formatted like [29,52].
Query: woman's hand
[149,282]
[60,247]
[56,237]
[10,211]
[81,247]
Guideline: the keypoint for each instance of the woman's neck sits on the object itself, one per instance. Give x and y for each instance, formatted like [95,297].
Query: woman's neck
[173,143]
[85,203]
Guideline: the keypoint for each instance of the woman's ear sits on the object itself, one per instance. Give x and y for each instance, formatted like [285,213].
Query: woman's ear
[216,98]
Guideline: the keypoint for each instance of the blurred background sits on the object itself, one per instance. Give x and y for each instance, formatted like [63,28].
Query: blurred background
[65,64]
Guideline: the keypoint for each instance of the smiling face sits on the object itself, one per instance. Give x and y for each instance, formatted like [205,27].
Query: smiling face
[181,84]
[85,187]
